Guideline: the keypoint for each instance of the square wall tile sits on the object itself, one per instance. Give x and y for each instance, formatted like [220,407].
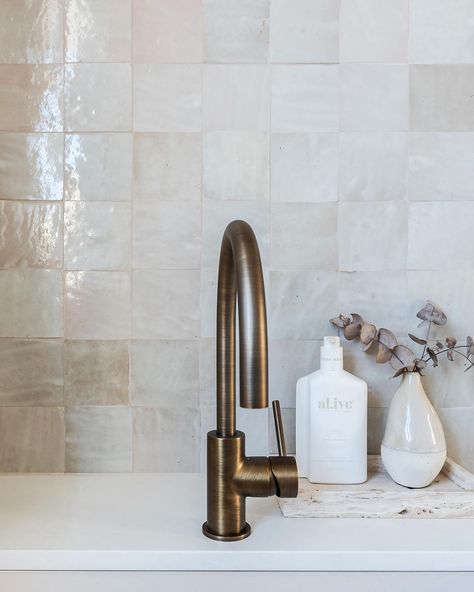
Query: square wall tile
[441,98]
[236,30]
[97,235]
[98,30]
[32,440]
[374,30]
[98,97]
[165,440]
[164,373]
[254,424]
[304,167]
[377,376]
[31,372]
[373,166]
[457,423]
[32,302]
[376,421]
[96,372]
[304,236]
[305,31]
[236,97]
[98,440]
[166,235]
[97,304]
[31,98]
[31,234]
[305,98]
[374,97]
[207,372]
[98,167]
[373,236]
[166,304]
[167,31]
[167,166]
[236,165]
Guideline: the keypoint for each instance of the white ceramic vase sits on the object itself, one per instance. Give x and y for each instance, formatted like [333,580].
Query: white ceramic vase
[413,446]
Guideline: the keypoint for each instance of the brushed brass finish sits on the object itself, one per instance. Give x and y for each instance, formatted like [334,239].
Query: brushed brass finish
[280,435]
[231,475]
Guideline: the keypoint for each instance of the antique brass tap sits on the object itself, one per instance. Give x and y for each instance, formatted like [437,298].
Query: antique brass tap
[232,476]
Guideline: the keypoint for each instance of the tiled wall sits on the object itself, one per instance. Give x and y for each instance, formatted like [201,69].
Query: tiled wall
[132,132]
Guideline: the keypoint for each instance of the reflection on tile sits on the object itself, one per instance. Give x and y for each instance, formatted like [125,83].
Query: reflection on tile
[236,30]
[166,235]
[32,439]
[376,420]
[167,31]
[164,373]
[98,97]
[98,30]
[98,167]
[96,235]
[305,31]
[304,236]
[97,304]
[458,423]
[30,235]
[98,440]
[31,303]
[165,440]
[167,166]
[167,98]
[305,98]
[96,372]
[236,165]
[289,425]
[166,304]
[31,98]
[31,32]
[372,166]
[304,167]
[31,372]
[236,97]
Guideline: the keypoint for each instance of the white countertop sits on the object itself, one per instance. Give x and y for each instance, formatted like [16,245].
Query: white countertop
[153,522]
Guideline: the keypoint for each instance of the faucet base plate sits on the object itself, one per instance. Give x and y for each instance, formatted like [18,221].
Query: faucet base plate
[218,537]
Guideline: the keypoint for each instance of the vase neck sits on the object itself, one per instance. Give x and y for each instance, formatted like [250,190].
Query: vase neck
[412,379]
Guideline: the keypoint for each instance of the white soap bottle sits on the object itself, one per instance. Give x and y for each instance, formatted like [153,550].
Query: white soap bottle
[331,421]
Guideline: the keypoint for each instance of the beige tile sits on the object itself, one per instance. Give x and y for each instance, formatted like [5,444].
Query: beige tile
[373,236]
[376,420]
[304,167]
[98,30]
[31,98]
[236,165]
[304,236]
[97,235]
[98,97]
[167,31]
[32,439]
[305,31]
[372,166]
[167,166]
[98,440]
[305,98]
[165,440]
[166,235]
[96,372]
[98,167]
[441,98]
[374,97]
[374,30]
[97,304]
[31,372]
[236,97]
[289,426]
[31,32]
[164,373]
[167,98]
[166,304]
[458,425]
[31,303]
[236,30]
[30,234]
[31,166]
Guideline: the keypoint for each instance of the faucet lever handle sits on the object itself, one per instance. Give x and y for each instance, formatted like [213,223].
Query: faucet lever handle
[280,434]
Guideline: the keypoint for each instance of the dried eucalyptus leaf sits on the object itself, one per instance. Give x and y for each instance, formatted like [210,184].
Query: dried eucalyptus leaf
[432,313]
[387,338]
[450,355]
[338,322]
[470,343]
[433,356]
[451,341]
[352,331]
[420,364]
[356,318]
[439,345]
[416,339]
[403,357]
[384,354]
[368,333]
[399,372]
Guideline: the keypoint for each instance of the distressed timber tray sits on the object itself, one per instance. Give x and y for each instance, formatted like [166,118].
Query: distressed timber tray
[451,495]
